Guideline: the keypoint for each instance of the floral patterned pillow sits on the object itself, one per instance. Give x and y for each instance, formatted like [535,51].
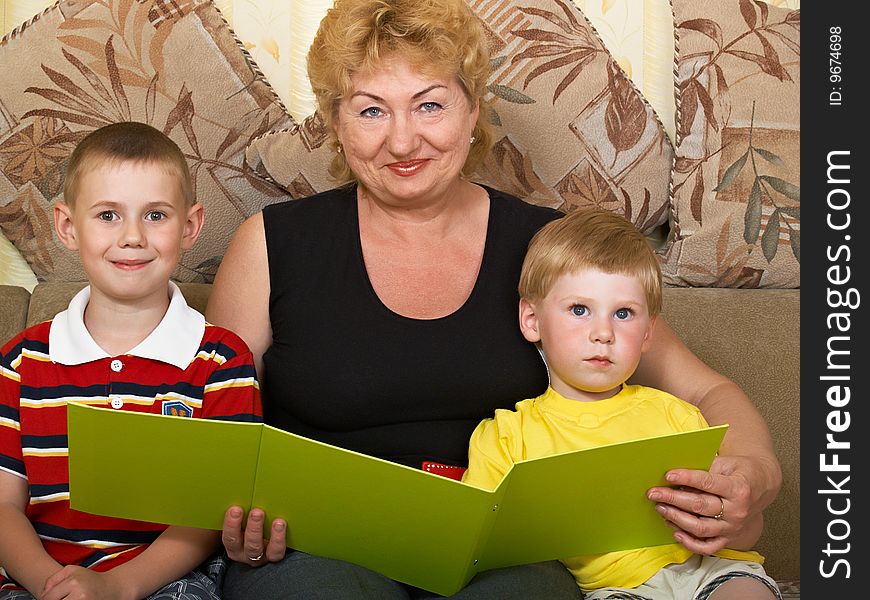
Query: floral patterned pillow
[736,181]
[571,129]
[176,65]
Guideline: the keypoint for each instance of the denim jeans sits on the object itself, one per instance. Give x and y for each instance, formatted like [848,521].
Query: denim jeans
[203,583]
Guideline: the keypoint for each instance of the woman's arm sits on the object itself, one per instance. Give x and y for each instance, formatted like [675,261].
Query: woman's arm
[239,301]
[746,475]
[239,297]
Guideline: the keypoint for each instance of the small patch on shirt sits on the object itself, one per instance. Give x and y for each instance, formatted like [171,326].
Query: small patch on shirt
[176,408]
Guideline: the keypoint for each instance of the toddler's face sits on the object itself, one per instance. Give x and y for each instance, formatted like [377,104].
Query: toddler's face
[593,327]
[129,224]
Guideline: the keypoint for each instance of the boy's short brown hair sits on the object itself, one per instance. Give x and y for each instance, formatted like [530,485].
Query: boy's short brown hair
[590,238]
[127,141]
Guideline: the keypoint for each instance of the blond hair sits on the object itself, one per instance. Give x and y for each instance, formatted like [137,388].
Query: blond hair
[590,238]
[436,37]
[127,141]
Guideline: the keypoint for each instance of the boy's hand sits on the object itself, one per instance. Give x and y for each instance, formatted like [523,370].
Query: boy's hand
[248,546]
[78,583]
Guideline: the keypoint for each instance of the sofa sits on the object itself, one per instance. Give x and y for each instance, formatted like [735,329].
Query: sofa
[752,336]
[719,196]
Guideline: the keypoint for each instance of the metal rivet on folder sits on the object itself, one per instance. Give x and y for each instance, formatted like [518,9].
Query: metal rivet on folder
[495,508]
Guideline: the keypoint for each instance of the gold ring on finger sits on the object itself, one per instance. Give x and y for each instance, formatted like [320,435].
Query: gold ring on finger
[721,510]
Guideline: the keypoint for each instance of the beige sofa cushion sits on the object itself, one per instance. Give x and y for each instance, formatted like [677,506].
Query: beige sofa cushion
[82,64]
[736,179]
[48,299]
[753,337]
[13,310]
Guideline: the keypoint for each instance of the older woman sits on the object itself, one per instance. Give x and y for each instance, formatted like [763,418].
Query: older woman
[382,314]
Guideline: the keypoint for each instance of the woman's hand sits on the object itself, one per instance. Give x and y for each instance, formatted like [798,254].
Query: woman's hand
[248,546]
[720,508]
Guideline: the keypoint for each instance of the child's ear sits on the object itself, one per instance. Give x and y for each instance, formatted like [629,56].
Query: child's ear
[64,227]
[647,337]
[529,321]
[193,226]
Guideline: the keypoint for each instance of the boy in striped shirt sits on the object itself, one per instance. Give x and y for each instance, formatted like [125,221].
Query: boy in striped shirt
[127,341]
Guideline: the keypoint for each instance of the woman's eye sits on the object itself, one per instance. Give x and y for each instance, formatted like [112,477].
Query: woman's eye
[430,106]
[372,111]
[578,310]
[622,314]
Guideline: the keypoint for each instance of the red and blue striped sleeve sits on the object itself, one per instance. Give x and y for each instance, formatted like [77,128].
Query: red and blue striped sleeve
[11,456]
[231,392]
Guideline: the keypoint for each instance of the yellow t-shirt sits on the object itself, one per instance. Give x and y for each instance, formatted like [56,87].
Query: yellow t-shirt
[552,424]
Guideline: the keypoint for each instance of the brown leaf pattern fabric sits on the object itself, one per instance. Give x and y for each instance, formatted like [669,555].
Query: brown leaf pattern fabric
[736,179]
[571,129]
[175,65]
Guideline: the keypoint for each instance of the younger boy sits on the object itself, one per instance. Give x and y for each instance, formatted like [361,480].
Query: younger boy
[590,290]
[127,341]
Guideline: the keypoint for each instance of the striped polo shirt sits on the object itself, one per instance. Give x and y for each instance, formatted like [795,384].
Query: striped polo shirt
[185,367]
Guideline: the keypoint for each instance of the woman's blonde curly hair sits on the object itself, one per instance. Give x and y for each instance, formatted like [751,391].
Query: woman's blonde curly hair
[437,37]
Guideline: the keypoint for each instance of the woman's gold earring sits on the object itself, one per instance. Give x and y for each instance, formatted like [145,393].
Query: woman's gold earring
[338,149]
[472,139]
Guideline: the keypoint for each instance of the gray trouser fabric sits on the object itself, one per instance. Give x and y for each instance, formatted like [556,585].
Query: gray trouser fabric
[302,576]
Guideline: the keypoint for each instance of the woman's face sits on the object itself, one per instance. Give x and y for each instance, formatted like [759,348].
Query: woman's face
[405,135]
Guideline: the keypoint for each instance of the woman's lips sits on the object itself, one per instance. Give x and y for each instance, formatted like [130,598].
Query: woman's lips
[408,167]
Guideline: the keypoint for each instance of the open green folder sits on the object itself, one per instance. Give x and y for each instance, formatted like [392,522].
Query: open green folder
[412,526]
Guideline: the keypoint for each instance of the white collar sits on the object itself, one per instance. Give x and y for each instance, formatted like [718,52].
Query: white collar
[175,340]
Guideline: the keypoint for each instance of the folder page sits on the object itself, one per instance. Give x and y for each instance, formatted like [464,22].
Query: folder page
[410,525]
[161,469]
[592,500]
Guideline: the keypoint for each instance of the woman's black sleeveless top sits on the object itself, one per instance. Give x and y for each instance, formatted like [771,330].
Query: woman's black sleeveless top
[346,370]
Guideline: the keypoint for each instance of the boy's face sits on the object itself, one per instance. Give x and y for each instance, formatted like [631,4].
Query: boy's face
[593,327]
[129,225]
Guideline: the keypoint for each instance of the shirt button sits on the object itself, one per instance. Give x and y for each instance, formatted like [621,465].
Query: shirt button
[116,365]
[116,402]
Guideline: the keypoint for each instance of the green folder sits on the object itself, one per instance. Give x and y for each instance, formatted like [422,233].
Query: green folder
[412,526]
